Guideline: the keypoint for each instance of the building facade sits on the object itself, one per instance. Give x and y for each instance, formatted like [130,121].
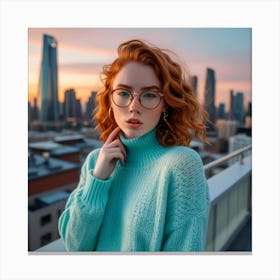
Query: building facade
[48,83]
[238,107]
[237,142]
[50,182]
[194,83]
[209,97]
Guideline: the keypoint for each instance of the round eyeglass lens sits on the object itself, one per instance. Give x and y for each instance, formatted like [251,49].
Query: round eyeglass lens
[150,100]
[121,97]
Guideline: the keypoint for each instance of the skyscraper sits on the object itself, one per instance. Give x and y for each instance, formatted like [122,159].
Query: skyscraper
[231,104]
[194,84]
[221,111]
[238,107]
[48,85]
[90,105]
[70,103]
[209,97]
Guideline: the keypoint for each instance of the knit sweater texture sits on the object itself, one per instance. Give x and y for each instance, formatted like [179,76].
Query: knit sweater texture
[157,201]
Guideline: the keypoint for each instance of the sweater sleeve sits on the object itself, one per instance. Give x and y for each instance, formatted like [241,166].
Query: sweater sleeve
[188,205]
[80,222]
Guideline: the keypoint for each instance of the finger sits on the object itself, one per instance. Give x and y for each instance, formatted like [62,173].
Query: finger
[112,150]
[117,143]
[112,135]
[118,155]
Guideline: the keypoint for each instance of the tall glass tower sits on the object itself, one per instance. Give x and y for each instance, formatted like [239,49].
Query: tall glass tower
[48,85]
[194,84]
[209,96]
[238,107]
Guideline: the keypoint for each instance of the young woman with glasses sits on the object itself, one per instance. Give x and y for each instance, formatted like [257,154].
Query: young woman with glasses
[145,189]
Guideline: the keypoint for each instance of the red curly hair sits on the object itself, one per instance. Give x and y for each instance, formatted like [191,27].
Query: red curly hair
[185,114]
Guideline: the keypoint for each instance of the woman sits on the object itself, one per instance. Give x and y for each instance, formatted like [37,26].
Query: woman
[145,189]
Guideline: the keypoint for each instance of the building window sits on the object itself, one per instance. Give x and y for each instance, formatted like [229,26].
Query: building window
[46,239]
[46,219]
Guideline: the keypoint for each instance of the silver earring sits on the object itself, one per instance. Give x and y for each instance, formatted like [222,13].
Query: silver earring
[165,115]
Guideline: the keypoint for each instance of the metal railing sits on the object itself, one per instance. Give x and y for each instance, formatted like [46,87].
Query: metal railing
[230,196]
[215,163]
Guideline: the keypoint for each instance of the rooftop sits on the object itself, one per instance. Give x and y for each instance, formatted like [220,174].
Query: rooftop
[45,200]
[53,197]
[39,166]
[55,149]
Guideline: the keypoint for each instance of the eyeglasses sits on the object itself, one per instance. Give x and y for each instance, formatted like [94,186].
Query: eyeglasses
[148,99]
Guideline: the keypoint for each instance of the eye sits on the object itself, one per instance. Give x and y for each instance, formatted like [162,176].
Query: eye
[149,95]
[123,93]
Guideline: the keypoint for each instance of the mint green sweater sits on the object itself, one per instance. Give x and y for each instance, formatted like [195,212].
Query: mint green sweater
[157,201]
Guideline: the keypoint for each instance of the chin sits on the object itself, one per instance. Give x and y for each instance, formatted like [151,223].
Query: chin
[133,133]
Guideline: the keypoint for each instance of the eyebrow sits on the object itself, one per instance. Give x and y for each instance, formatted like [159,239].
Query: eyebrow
[142,89]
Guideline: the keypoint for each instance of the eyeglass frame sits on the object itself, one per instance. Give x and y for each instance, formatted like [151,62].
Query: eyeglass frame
[133,93]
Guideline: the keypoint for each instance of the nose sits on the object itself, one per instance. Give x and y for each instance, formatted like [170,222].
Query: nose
[135,105]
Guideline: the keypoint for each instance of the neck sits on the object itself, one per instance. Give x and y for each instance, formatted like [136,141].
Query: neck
[142,150]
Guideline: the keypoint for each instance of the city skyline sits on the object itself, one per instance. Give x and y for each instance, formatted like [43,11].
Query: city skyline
[80,61]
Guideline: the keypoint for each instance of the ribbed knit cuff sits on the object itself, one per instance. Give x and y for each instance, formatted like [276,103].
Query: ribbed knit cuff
[96,191]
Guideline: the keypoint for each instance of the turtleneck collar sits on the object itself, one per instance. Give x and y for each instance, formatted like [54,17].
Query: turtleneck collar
[142,150]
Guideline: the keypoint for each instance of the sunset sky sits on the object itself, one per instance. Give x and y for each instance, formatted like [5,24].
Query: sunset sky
[83,51]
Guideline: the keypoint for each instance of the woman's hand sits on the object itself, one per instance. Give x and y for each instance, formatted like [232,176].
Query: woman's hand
[110,153]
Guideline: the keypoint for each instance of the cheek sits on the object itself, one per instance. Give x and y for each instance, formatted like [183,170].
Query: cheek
[155,116]
[118,113]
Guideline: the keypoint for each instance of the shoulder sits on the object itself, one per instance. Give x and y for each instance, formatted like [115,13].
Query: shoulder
[185,173]
[183,162]
[181,155]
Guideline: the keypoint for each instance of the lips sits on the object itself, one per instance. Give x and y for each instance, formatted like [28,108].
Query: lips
[134,123]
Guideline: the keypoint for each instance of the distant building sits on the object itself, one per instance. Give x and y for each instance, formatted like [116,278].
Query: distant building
[29,113]
[48,83]
[194,80]
[33,111]
[248,117]
[221,111]
[231,104]
[248,122]
[67,147]
[55,150]
[237,142]
[83,144]
[209,97]
[79,113]
[226,128]
[46,173]
[249,110]
[238,108]
[44,211]
[72,105]
[90,106]
[50,182]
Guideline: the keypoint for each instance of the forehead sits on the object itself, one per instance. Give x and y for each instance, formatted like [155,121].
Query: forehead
[136,75]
